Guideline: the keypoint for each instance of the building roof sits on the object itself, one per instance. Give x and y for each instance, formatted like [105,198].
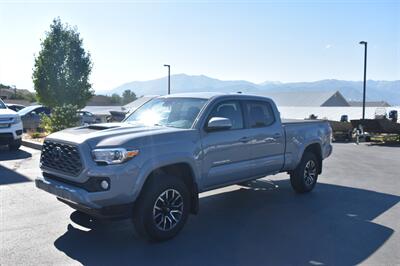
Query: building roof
[105,110]
[370,104]
[307,98]
[102,110]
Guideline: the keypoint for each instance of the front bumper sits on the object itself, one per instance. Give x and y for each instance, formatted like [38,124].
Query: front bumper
[83,200]
[10,134]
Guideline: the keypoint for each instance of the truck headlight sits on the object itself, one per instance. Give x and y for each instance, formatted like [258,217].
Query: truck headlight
[17,119]
[113,155]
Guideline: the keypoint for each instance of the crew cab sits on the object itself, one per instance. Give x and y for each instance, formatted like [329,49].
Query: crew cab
[153,165]
[10,127]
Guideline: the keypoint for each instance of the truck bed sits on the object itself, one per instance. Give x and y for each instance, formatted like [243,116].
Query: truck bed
[300,121]
[299,133]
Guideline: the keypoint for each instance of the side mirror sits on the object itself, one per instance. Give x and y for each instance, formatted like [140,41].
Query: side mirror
[219,123]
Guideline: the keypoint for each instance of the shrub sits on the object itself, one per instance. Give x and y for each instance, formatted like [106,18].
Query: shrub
[36,135]
[61,118]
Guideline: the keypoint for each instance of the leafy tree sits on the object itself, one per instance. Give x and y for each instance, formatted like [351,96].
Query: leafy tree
[62,68]
[128,96]
[116,99]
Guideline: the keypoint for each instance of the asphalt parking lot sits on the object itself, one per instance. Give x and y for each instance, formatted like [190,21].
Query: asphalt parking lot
[351,217]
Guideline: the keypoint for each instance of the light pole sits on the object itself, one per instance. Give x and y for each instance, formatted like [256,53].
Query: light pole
[365,76]
[15,90]
[169,78]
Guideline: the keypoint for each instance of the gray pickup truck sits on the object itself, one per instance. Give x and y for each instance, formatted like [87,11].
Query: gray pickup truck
[152,166]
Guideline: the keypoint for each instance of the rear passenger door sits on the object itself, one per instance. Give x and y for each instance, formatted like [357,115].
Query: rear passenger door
[225,152]
[267,142]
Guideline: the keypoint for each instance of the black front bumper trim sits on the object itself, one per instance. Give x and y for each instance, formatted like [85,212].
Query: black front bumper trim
[114,212]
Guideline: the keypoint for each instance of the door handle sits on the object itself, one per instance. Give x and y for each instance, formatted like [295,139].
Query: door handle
[245,139]
[277,135]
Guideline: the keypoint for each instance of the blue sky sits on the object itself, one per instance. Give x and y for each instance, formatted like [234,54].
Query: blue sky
[254,41]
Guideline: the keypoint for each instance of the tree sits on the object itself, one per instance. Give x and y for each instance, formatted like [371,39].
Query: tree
[62,68]
[116,99]
[24,95]
[128,96]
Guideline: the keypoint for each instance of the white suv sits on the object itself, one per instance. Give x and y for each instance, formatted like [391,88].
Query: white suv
[10,127]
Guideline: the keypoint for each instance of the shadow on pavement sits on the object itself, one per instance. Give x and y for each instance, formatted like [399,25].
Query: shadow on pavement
[257,225]
[8,176]
[385,144]
[6,155]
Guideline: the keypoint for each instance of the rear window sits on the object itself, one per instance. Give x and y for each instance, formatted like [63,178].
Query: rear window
[260,114]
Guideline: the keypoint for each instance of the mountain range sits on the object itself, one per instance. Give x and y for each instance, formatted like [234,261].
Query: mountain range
[388,91]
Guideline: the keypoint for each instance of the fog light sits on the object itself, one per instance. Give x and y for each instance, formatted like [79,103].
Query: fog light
[104,184]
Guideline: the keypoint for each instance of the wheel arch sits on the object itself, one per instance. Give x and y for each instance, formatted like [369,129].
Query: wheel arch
[185,172]
[316,149]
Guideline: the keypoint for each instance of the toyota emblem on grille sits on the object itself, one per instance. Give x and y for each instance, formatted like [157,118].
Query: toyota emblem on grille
[57,153]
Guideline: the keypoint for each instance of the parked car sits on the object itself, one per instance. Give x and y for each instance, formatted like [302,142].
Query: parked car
[153,165]
[31,116]
[87,118]
[15,107]
[116,116]
[10,127]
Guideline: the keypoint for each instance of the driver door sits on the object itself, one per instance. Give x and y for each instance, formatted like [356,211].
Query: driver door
[226,151]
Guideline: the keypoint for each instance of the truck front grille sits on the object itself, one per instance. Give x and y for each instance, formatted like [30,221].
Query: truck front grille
[62,157]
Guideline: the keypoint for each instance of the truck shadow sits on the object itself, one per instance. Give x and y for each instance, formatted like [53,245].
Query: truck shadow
[264,223]
[385,144]
[6,155]
[8,176]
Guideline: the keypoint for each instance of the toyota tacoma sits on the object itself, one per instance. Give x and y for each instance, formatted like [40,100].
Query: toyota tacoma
[152,166]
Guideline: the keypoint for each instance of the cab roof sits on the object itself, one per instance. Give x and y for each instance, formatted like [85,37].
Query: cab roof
[208,95]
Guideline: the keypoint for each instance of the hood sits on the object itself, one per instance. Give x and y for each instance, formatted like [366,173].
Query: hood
[110,134]
[7,113]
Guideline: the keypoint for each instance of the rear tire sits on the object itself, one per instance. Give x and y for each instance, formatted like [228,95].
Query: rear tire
[162,208]
[304,177]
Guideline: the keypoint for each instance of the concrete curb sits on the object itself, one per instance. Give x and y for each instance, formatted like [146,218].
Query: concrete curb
[32,144]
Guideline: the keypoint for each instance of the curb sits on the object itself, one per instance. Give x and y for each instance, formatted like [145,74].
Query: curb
[32,144]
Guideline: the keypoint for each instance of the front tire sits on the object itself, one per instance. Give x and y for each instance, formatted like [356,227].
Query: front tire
[162,209]
[15,145]
[304,177]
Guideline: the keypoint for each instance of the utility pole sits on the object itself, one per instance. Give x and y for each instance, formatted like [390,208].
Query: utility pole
[169,78]
[365,76]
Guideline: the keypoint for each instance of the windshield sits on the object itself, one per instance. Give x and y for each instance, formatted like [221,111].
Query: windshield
[2,105]
[26,110]
[171,112]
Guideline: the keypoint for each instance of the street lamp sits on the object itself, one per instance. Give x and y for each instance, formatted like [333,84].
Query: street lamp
[365,76]
[169,78]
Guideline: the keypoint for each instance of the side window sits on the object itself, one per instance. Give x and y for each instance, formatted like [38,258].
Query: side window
[260,114]
[47,110]
[231,110]
[39,111]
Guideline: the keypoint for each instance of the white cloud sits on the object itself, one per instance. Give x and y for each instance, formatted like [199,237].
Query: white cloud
[328,46]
